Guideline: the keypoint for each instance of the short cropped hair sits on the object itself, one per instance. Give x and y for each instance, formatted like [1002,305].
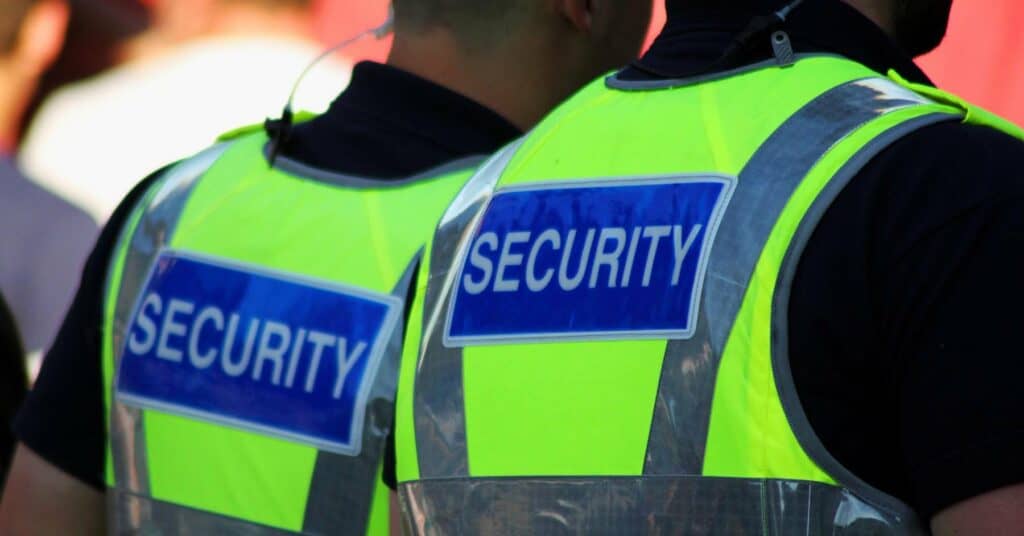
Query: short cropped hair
[476,21]
[12,14]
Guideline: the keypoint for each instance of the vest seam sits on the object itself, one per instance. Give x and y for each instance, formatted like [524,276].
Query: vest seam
[302,171]
[613,81]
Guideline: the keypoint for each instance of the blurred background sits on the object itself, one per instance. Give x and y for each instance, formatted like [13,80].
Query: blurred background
[112,46]
[96,94]
[982,58]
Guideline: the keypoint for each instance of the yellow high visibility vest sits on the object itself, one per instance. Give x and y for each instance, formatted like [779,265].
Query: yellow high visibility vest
[602,322]
[252,332]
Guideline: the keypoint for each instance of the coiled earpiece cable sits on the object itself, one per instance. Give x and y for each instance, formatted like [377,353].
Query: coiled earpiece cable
[279,130]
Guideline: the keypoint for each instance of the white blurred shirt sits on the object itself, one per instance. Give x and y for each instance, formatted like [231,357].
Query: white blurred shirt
[94,140]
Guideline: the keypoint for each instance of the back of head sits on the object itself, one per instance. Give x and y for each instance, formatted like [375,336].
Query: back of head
[484,24]
[273,4]
[541,50]
[760,6]
[473,22]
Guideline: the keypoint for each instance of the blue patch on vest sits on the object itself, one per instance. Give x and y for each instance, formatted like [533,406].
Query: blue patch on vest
[604,259]
[266,352]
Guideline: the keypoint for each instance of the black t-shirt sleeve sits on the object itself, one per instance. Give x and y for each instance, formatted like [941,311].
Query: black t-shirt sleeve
[13,381]
[960,403]
[957,321]
[62,418]
[906,316]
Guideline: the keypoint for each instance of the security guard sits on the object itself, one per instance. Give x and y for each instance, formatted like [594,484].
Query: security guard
[246,305]
[755,283]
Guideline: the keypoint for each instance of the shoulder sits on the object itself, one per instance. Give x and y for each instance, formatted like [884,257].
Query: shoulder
[967,138]
[940,175]
[102,252]
[913,262]
[971,157]
[935,190]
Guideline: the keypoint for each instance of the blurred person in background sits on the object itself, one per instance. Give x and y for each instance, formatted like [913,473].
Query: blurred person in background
[204,67]
[285,226]
[13,383]
[100,35]
[44,238]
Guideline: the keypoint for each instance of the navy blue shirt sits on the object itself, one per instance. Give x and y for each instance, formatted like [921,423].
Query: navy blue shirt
[905,311]
[388,124]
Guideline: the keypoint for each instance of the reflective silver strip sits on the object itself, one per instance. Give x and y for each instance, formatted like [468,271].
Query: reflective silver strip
[438,410]
[163,207]
[639,506]
[303,171]
[690,367]
[615,80]
[132,514]
[351,481]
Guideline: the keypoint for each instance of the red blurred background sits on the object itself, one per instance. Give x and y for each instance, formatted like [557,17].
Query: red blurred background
[982,58]
[343,18]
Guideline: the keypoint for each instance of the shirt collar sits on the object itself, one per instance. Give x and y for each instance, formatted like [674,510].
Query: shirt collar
[422,108]
[695,38]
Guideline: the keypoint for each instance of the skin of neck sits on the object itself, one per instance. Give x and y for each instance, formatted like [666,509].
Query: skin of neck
[878,11]
[16,88]
[522,78]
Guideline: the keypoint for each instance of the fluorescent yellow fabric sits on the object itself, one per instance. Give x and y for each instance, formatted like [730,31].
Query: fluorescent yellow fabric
[972,114]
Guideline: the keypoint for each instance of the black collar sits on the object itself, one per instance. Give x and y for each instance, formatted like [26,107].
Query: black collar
[409,102]
[392,124]
[694,39]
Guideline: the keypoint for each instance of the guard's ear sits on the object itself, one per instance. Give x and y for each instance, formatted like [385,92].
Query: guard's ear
[579,13]
[42,35]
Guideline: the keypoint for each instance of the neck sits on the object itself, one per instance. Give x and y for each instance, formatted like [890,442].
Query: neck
[15,94]
[509,80]
[877,11]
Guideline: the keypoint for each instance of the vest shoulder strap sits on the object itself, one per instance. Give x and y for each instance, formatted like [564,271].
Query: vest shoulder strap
[973,114]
